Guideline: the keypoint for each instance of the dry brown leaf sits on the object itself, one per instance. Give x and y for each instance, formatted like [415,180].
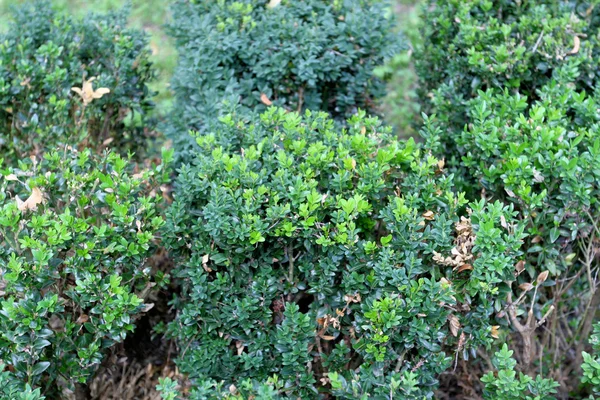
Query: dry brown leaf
[87,92]
[526,286]
[83,318]
[428,215]
[510,192]
[520,266]
[32,202]
[503,222]
[465,267]
[542,277]
[148,307]
[327,337]
[576,45]
[454,324]
[494,333]
[265,99]
[363,130]
[536,239]
[205,259]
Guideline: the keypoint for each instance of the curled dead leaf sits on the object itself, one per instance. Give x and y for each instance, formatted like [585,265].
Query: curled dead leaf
[265,99]
[542,277]
[83,318]
[36,197]
[464,267]
[520,266]
[494,333]
[526,286]
[576,45]
[87,92]
[454,324]
[428,215]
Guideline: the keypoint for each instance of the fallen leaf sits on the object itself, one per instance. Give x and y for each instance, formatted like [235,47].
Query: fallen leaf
[87,92]
[265,99]
[32,202]
[576,45]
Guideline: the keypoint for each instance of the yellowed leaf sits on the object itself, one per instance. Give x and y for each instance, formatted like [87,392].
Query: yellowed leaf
[265,99]
[363,130]
[32,202]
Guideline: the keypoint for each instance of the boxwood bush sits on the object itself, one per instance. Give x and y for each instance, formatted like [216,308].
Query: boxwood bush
[315,54]
[474,45]
[75,232]
[318,260]
[72,81]
[514,88]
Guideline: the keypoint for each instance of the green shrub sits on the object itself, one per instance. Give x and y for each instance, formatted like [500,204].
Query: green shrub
[44,55]
[316,259]
[514,88]
[476,45]
[591,363]
[76,230]
[317,55]
[506,385]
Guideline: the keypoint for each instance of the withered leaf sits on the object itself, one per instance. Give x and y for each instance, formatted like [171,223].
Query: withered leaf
[526,286]
[576,45]
[454,324]
[494,333]
[465,267]
[542,277]
[32,202]
[87,92]
[265,99]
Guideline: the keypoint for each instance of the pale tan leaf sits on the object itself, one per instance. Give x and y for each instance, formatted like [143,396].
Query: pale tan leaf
[265,99]
[273,3]
[32,202]
[526,286]
[465,267]
[520,266]
[494,333]
[542,277]
[11,177]
[428,215]
[576,45]
[454,324]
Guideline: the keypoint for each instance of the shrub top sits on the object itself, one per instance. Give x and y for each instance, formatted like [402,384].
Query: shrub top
[45,54]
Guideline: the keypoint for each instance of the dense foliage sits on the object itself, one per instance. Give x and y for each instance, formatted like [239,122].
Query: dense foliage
[322,260]
[317,55]
[514,88]
[76,229]
[72,81]
[476,45]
